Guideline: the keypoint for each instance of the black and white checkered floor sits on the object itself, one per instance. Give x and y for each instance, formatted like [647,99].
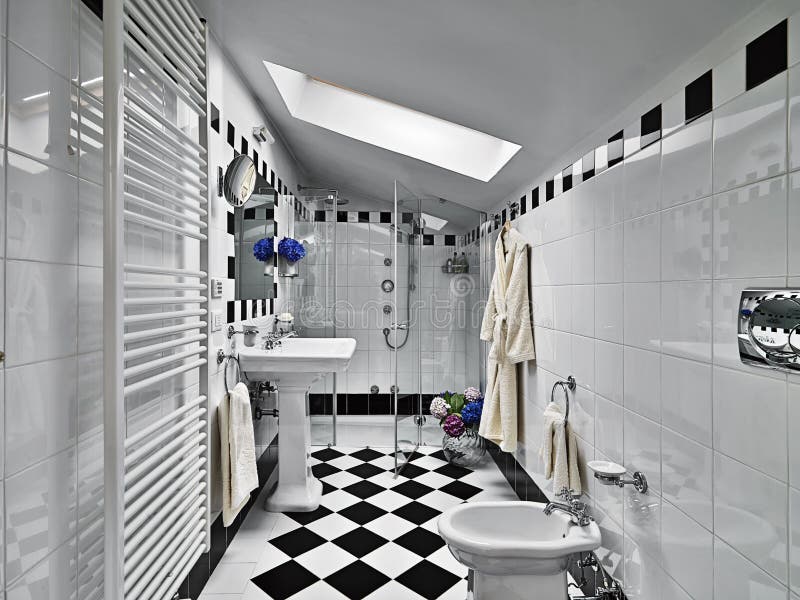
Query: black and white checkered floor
[374,536]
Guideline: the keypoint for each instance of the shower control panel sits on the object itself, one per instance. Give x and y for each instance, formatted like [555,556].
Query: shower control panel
[769,328]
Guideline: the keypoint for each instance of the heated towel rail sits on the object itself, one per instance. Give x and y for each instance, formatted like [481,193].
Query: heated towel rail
[155,297]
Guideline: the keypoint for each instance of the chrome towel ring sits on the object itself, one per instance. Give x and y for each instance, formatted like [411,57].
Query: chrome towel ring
[222,357]
[567,386]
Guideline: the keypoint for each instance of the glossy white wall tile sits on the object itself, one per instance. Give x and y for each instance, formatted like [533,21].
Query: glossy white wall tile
[750,136]
[686,163]
[38,327]
[38,427]
[681,227]
[686,241]
[750,514]
[42,111]
[750,230]
[744,424]
[51,313]
[40,511]
[642,177]
[688,552]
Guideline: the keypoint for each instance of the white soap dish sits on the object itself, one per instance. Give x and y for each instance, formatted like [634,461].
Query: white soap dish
[606,468]
[610,473]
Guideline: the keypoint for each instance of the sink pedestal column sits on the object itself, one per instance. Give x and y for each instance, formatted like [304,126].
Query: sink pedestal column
[297,489]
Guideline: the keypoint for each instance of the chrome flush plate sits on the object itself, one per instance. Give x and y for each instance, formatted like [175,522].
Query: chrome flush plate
[769,328]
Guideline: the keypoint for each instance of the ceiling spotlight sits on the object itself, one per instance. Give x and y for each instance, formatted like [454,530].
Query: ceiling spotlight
[262,134]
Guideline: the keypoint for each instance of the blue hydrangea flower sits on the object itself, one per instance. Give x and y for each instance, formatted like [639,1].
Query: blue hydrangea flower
[471,413]
[264,249]
[291,249]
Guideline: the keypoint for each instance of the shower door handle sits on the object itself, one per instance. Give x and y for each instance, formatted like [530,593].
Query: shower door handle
[400,325]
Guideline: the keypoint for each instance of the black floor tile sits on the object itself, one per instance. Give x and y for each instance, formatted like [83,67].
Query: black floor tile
[357,580]
[453,471]
[420,541]
[411,471]
[297,542]
[364,489]
[412,489]
[360,542]
[362,512]
[304,518]
[323,470]
[285,580]
[416,513]
[365,470]
[459,489]
[326,454]
[428,580]
[327,488]
[367,454]
[440,455]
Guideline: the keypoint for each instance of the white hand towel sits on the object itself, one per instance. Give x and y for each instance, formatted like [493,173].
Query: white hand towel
[237,452]
[559,451]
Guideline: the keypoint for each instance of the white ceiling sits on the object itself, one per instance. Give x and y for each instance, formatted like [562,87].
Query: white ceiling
[543,74]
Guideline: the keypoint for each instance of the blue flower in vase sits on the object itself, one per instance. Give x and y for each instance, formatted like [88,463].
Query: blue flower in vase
[264,249]
[291,249]
[471,413]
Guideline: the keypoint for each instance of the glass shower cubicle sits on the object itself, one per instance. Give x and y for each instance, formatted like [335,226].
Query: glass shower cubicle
[403,280]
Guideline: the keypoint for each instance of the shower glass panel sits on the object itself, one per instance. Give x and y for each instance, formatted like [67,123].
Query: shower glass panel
[402,336]
[312,301]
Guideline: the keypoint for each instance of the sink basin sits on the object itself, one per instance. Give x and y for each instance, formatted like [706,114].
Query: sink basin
[298,359]
[514,549]
[293,367]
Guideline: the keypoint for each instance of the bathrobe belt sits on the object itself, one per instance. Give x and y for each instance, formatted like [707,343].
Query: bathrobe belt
[498,350]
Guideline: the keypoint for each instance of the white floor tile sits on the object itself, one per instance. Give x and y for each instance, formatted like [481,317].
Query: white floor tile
[332,526]
[229,578]
[338,500]
[391,560]
[389,500]
[325,560]
[389,526]
[395,591]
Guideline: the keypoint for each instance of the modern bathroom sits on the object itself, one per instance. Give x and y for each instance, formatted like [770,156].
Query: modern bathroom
[399,301]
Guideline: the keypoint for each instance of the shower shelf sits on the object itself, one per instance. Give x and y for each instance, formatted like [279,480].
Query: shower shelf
[455,269]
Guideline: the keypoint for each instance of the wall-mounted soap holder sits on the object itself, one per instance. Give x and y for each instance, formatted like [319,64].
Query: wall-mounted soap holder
[610,473]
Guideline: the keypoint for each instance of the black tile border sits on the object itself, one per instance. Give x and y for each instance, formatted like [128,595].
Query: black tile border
[698,97]
[526,489]
[221,538]
[765,57]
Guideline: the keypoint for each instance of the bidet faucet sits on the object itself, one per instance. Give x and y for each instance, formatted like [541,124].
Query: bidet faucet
[572,506]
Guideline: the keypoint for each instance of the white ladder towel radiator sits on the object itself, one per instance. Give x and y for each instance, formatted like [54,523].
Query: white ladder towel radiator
[155,297]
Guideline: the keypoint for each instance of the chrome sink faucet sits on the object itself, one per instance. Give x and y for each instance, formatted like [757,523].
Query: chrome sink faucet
[273,340]
[571,506]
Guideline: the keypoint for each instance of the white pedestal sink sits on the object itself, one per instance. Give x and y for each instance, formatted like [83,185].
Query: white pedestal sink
[293,367]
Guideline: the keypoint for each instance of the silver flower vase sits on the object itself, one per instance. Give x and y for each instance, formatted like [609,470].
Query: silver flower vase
[467,450]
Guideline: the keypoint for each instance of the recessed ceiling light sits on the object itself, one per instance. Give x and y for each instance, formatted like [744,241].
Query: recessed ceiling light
[391,126]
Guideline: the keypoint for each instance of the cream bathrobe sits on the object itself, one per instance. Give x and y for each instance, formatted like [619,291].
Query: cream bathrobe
[508,325]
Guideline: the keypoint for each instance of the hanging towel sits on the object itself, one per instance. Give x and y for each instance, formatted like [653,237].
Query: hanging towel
[559,451]
[508,325]
[237,452]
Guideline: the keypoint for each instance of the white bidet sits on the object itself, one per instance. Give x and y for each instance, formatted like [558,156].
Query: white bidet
[514,549]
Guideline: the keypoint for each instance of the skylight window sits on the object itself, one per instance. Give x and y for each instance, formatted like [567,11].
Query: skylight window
[391,126]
